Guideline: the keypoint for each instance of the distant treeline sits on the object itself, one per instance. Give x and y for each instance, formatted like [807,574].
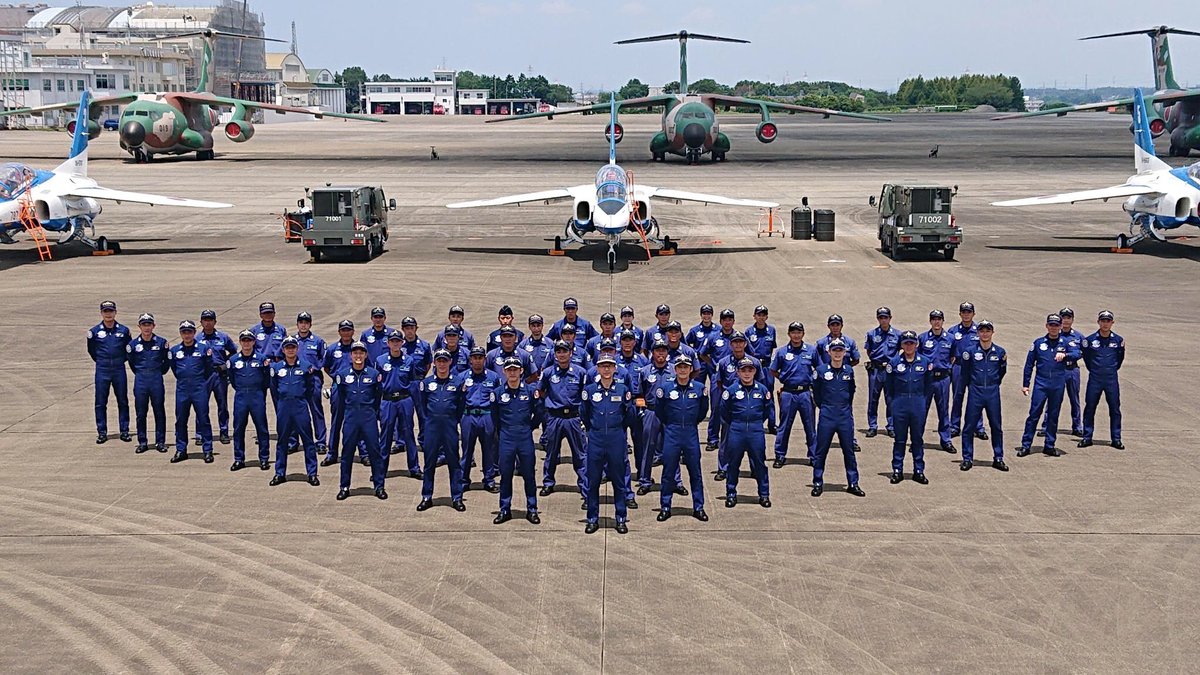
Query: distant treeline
[965,91]
[1059,98]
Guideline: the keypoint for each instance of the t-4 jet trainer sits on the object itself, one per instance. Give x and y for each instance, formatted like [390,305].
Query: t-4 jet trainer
[1158,197]
[64,200]
[613,206]
[178,123]
[689,120]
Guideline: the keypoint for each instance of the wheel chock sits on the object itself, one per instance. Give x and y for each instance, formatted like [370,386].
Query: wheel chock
[1117,249]
[108,252]
[557,251]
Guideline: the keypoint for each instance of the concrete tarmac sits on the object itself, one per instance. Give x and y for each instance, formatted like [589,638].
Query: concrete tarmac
[111,561]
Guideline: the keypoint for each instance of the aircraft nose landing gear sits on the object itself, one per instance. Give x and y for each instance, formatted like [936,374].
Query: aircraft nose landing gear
[612,257]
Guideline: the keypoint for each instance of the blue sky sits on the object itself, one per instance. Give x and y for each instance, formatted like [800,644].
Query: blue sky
[872,43]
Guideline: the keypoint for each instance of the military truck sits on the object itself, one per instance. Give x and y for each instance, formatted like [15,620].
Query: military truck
[343,221]
[917,218]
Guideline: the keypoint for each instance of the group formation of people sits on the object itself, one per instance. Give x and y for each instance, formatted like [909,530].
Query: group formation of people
[601,391]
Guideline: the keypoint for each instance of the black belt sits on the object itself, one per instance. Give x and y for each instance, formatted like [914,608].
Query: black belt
[396,395]
[1072,366]
[879,364]
[477,411]
[563,413]
[940,374]
[796,390]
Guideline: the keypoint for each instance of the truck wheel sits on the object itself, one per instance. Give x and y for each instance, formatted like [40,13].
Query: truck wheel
[379,245]
[369,250]
[883,244]
[315,254]
[949,253]
[897,251]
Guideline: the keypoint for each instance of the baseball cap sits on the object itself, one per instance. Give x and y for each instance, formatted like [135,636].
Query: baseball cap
[706,309]
[628,335]
[535,319]
[358,346]
[737,335]
[837,343]
[451,329]
[408,321]
[567,328]
[795,325]
[506,311]
[727,313]
[478,351]
[1105,315]
[345,324]
[606,358]
[985,324]
[834,318]
[683,358]
[508,330]
[145,318]
[626,311]
[512,362]
[455,309]
[304,316]
[291,341]
[1067,311]
[966,307]
[245,335]
[936,314]
[747,362]
[761,309]
[1054,319]
[108,305]
[659,344]
[377,311]
[674,325]
[570,303]
[186,325]
[208,314]
[441,355]
[562,346]
[883,311]
[607,317]
[265,307]
[395,335]
[662,309]
[608,343]
[909,336]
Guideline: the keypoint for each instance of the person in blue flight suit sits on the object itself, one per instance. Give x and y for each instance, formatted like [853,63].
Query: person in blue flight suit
[937,345]
[421,353]
[539,347]
[396,404]
[608,328]
[695,338]
[727,371]
[505,318]
[627,324]
[833,394]
[584,330]
[268,335]
[1048,355]
[337,358]
[508,349]
[1072,381]
[650,376]
[984,365]
[744,408]
[460,355]
[658,331]
[607,410]
[633,361]
[147,357]
[675,344]
[250,377]
[793,365]
[1104,353]
[358,389]
[312,353]
[882,344]
[291,381]
[834,323]
[762,340]
[966,336]
[909,384]
[376,335]
[715,348]
[609,346]
[222,347]
[455,317]
[442,397]
[106,345]
[681,405]
[560,389]
[192,366]
[479,385]
[579,355]
[515,414]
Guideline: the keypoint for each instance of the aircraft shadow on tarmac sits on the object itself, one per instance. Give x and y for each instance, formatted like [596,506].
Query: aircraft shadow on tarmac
[597,254]
[12,258]
[1174,249]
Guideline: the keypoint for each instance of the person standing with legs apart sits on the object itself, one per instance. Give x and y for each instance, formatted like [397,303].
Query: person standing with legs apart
[337,357]
[358,389]
[649,377]
[441,397]
[290,382]
[715,348]
[937,346]
[909,384]
[222,347]
[1104,353]
[966,335]
[882,344]
[479,386]
[833,393]
[312,354]
[793,365]
[607,410]
[1049,355]
[515,414]
[745,407]
[147,356]
[761,343]
[250,377]
[984,366]
[682,404]
[106,343]
[396,406]
[192,366]
[1072,380]
[560,389]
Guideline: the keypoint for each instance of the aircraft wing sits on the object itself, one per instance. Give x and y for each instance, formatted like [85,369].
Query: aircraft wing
[1167,97]
[1114,192]
[642,102]
[97,192]
[647,192]
[223,102]
[104,100]
[546,196]
[741,101]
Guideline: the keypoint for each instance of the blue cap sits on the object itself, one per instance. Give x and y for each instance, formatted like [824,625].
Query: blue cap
[674,325]
[1067,311]
[512,362]
[608,343]
[727,313]
[967,307]
[706,309]
[909,336]
[304,316]
[737,335]
[535,319]
[626,311]
[408,321]
[441,355]
[265,307]
[985,324]
[761,309]
[145,318]
[186,325]
[508,330]
[246,335]
[837,343]
[628,335]
[567,328]
[883,312]
[208,314]
[345,324]
[562,346]
[570,303]
[505,310]
[377,311]
[606,358]
[659,344]
[747,362]
[662,309]
[607,317]
[456,309]
[108,305]
[291,341]
[395,335]
[357,346]
[834,318]
[936,314]
[795,325]
[1054,319]
[683,358]
[1105,315]
[451,329]
[477,351]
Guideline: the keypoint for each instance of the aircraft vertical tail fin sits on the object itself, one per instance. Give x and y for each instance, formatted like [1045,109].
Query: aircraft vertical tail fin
[612,127]
[683,36]
[1164,74]
[76,163]
[1144,157]
[208,64]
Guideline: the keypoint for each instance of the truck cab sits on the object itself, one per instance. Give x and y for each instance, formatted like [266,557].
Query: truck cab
[345,219]
[917,218]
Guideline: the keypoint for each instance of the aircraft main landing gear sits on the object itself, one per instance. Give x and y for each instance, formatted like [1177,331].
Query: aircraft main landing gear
[141,156]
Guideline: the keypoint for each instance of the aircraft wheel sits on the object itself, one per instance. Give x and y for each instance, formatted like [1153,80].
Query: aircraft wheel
[1122,240]
[102,244]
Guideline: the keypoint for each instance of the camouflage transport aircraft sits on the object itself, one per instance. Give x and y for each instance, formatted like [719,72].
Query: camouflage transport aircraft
[689,120]
[178,123]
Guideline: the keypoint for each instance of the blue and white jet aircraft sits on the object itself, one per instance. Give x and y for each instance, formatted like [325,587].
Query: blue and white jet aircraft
[1158,197]
[611,207]
[64,200]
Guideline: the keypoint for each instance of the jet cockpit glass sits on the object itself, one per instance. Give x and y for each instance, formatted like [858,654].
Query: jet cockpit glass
[611,190]
[14,178]
[1194,172]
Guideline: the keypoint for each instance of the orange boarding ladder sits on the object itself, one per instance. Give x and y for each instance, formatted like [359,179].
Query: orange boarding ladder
[28,218]
[636,211]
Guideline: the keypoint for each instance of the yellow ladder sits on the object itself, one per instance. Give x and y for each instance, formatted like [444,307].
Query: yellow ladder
[30,222]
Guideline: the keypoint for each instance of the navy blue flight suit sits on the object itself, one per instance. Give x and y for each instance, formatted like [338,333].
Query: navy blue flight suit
[396,409]
[496,357]
[965,337]
[761,344]
[479,392]
[375,341]
[726,373]
[148,361]
[222,347]
[794,366]
[467,341]
[515,414]
[1071,383]
[833,393]
[882,346]
[939,350]
[852,354]
[312,353]
[358,393]
[680,409]
[647,379]
[106,346]
[268,341]
[607,412]
[584,331]
[540,351]
[250,377]
[561,389]
[909,384]
[421,354]
[1103,356]
[337,358]
[744,410]
[192,366]
[291,384]
[983,370]
[443,402]
[494,338]
[716,347]
[1049,386]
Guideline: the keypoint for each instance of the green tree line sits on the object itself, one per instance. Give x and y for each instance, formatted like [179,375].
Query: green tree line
[999,91]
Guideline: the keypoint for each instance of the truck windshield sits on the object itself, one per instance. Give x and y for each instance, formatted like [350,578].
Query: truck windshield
[332,204]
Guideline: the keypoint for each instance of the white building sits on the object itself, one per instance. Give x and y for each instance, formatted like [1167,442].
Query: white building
[472,101]
[437,96]
[303,87]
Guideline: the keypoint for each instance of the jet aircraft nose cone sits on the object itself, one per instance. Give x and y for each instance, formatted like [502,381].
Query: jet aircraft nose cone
[693,135]
[133,134]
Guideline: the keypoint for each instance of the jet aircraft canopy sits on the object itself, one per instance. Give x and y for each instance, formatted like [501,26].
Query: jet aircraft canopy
[611,189]
[14,178]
